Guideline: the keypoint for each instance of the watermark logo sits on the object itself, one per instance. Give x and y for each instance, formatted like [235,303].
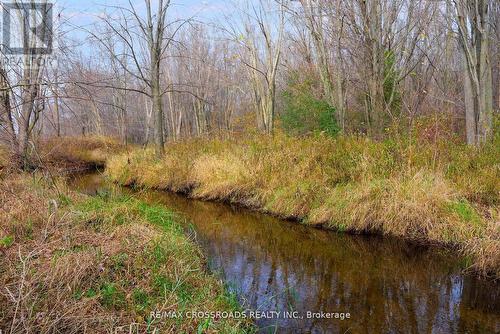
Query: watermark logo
[27,28]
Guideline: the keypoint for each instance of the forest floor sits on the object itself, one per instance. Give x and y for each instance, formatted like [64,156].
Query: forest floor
[442,193]
[73,263]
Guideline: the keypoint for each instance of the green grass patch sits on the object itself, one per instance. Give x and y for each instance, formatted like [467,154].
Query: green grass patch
[158,215]
[156,263]
[466,212]
[141,300]
[6,241]
[112,296]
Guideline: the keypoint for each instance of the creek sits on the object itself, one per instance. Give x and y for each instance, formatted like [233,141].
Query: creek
[314,278]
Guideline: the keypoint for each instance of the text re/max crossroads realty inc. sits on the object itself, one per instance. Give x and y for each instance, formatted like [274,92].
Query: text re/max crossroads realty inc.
[249,314]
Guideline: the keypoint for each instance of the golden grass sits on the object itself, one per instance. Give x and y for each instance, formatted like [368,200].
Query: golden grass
[64,154]
[73,264]
[68,152]
[443,193]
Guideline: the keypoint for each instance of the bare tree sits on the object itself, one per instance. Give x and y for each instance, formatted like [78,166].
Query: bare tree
[474,26]
[316,14]
[27,92]
[377,62]
[6,117]
[263,47]
[145,46]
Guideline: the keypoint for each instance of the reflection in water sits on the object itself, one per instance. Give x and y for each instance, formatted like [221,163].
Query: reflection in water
[387,286]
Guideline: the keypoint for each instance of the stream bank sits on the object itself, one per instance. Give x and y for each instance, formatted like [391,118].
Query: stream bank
[446,194]
[72,263]
[386,285]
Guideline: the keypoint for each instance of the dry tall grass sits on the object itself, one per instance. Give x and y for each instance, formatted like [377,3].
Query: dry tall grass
[72,264]
[77,152]
[64,154]
[440,192]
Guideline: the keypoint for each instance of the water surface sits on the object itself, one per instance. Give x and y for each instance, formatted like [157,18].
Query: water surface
[386,285]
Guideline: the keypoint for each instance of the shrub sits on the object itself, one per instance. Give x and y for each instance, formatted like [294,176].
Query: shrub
[304,113]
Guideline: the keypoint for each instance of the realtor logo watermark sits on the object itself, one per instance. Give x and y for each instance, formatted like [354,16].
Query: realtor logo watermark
[28,36]
[27,28]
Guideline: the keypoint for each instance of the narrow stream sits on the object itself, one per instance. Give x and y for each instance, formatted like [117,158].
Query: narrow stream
[386,285]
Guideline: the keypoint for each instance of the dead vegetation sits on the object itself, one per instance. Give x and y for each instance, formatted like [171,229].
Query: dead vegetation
[76,153]
[73,264]
[432,192]
[63,154]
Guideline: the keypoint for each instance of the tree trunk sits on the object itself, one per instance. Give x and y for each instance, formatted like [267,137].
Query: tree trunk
[158,111]
[477,73]
[173,127]
[149,112]
[97,117]
[6,120]
[58,117]
[55,91]
[200,116]
[470,115]
[485,123]
[29,96]
[124,125]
